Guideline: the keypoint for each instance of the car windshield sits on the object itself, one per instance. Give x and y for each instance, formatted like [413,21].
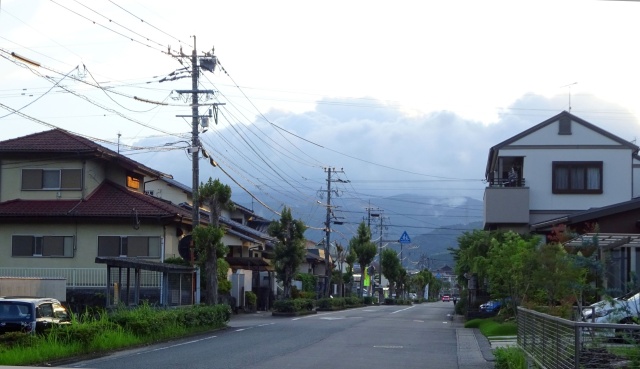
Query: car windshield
[15,311]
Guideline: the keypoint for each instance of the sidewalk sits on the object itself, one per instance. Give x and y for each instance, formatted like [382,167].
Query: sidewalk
[474,349]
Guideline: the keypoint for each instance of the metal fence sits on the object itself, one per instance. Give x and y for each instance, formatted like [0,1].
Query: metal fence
[83,277]
[555,343]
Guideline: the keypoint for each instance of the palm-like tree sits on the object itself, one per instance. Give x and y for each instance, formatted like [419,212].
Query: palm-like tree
[208,239]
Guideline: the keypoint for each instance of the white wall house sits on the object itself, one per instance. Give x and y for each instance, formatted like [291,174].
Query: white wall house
[558,167]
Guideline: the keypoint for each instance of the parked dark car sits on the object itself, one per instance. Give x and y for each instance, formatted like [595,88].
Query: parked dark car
[31,314]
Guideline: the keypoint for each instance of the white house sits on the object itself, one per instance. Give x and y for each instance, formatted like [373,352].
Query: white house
[555,168]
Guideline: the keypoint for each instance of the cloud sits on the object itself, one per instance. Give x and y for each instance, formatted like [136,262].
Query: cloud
[382,150]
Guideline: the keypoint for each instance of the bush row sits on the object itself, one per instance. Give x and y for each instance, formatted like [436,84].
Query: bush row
[339,303]
[293,305]
[144,322]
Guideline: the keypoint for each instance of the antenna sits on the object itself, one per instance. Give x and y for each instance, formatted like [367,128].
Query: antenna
[569,85]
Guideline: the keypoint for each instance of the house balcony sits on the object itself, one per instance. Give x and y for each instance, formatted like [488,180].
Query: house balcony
[506,203]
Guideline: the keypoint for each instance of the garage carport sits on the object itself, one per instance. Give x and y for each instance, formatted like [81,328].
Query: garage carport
[181,281]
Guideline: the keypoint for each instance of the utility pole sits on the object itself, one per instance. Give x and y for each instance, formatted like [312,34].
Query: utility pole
[195,142]
[379,215]
[208,62]
[327,225]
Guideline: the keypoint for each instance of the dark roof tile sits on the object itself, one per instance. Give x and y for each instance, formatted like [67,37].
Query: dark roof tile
[108,200]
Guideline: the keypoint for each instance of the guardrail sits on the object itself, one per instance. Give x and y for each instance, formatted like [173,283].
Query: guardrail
[555,343]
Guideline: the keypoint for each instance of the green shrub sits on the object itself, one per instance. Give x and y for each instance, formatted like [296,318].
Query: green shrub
[510,358]
[368,300]
[295,292]
[307,295]
[473,323]
[251,298]
[331,303]
[293,305]
[309,282]
[353,301]
[490,327]
[12,339]
[83,334]
[389,301]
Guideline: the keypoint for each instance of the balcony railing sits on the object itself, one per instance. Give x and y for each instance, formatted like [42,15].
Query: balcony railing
[506,182]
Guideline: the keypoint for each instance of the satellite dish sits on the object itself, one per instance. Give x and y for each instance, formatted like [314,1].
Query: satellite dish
[184,248]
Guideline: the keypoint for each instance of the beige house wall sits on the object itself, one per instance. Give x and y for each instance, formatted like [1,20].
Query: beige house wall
[85,239]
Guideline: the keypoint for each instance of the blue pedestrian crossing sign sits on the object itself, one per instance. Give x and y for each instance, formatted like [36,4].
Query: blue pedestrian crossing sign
[404,238]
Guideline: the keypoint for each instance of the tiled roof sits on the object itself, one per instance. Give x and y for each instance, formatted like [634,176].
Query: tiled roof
[59,141]
[108,200]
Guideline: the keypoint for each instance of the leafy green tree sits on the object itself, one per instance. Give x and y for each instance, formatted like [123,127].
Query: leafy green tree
[472,247]
[364,249]
[510,265]
[290,249]
[391,268]
[420,281]
[403,281]
[350,260]
[208,240]
[224,284]
[435,286]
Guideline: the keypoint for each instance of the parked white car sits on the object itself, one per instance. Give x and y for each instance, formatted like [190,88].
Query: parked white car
[623,310]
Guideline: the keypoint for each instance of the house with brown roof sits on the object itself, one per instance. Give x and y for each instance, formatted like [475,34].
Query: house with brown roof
[67,202]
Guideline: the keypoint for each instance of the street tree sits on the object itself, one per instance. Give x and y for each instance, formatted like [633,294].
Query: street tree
[364,249]
[391,268]
[340,259]
[510,265]
[350,260]
[290,249]
[403,282]
[208,239]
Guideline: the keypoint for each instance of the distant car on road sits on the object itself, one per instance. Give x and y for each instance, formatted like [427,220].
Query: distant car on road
[446,298]
[31,314]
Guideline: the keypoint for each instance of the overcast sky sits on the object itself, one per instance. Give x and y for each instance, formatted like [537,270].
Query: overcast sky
[403,97]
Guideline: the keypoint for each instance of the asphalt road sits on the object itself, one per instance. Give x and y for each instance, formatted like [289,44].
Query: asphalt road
[417,336]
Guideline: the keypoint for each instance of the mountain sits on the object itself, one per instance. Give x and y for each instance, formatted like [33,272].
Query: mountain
[432,223]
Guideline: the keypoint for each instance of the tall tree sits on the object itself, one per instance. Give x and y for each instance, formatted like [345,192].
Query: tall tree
[391,268]
[208,240]
[340,256]
[364,249]
[350,259]
[290,250]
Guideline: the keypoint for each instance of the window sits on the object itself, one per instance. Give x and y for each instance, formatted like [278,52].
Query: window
[133,182]
[52,179]
[578,177]
[47,246]
[129,246]
[44,311]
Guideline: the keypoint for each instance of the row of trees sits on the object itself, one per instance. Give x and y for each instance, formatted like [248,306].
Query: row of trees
[290,250]
[527,270]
